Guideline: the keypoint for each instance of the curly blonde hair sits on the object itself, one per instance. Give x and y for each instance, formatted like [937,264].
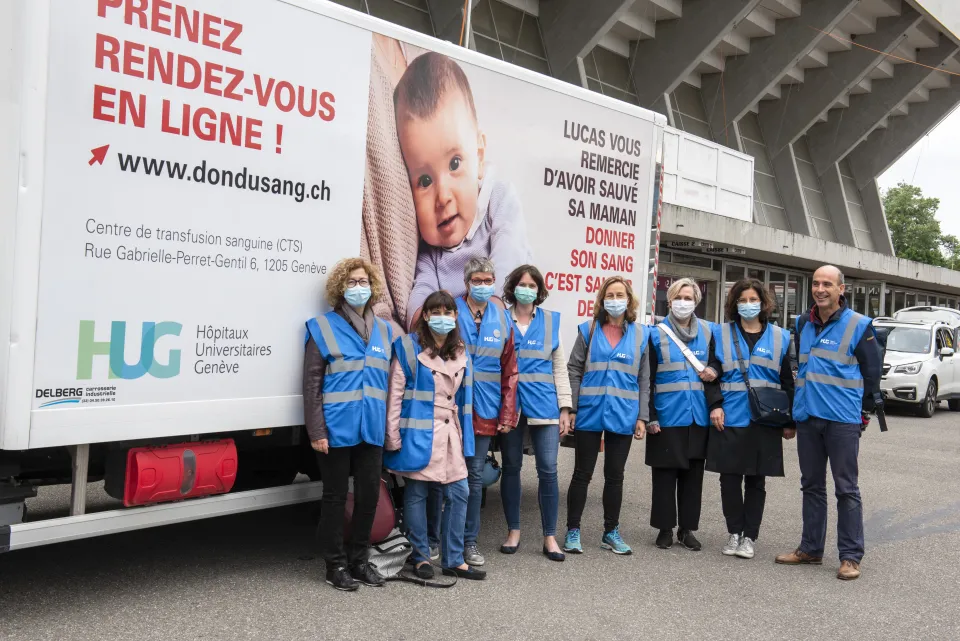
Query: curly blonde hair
[600,314]
[337,282]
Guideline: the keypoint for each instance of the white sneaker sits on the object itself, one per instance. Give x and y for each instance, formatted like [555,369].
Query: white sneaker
[746,549]
[733,544]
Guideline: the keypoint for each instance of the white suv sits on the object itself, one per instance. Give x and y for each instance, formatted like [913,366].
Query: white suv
[920,367]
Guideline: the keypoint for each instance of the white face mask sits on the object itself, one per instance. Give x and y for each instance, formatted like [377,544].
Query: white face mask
[682,309]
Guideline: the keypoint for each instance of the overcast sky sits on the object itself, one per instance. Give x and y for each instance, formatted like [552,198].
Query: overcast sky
[933,162]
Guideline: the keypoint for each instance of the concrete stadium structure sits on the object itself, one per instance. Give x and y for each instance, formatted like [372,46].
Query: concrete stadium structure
[822,95]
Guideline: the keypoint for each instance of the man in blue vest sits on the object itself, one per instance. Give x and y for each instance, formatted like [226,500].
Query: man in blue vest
[837,384]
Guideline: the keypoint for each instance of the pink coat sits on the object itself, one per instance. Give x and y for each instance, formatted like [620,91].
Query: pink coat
[447,463]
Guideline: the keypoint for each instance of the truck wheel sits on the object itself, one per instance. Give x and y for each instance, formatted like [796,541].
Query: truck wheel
[954,404]
[928,406]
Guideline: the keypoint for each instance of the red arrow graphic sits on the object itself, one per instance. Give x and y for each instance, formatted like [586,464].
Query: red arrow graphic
[99,153]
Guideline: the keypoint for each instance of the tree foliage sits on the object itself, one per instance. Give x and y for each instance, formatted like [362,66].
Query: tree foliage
[915,229]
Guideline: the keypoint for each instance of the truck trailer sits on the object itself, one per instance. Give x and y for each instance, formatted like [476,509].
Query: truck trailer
[177,180]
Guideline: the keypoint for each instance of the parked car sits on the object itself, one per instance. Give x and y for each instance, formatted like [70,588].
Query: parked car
[927,313]
[920,367]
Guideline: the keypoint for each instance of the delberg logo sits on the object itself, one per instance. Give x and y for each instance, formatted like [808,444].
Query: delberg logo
[151,333]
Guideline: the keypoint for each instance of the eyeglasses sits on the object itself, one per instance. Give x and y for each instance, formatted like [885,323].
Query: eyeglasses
[363,282]
[481,281]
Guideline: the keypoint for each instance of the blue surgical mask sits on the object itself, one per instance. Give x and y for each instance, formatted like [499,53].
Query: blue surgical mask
[481,293]
[442,325]
[357,296]
[748,310]
[615,306]
[525,295]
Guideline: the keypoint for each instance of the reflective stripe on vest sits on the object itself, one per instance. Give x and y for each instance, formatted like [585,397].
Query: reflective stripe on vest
[485,347]
[677,390]
[829,383]
[417,410]
[536,389]
[763,371]
[355,380]
[609,396]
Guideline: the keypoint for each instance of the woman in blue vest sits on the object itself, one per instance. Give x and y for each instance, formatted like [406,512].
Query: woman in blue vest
[682,345]
[544,401]
[609,377]
[430,431]
[344,397]
[742,452]
[487,331]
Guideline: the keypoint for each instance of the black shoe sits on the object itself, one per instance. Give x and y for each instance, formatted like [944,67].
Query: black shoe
[665,539]
[688,540]
[509,549]
[425,571]
[554,556]
[340,578]
[470,573]
[367,574]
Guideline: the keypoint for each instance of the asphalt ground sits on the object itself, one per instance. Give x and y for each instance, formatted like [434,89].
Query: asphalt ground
[257,576]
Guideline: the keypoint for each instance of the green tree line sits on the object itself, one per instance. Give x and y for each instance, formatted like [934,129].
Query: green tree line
[915,229]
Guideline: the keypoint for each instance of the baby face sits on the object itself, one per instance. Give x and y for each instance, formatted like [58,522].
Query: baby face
[444,158]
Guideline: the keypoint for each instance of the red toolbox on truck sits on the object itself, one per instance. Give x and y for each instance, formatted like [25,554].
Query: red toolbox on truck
[180,471]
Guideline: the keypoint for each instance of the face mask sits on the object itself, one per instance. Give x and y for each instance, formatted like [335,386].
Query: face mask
[525,295]
[357,296]
[682,309]
[615,306]
[442,325]
[748,310]
[481,293]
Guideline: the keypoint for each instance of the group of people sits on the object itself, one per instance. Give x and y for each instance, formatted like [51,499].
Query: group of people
[427,405]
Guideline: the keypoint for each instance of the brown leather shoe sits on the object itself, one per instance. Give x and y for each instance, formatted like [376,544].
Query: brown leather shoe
[799,558]
[849,570]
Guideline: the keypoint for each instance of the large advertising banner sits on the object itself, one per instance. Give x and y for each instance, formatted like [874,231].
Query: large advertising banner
[203,175]
[473,163]
[207,164]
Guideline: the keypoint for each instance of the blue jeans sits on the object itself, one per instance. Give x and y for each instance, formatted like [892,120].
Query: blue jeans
[434,514]
[454,515]
[546,445]
[818,441]
[475,477]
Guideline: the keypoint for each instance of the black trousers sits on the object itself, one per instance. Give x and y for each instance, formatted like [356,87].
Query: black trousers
[677,492]
[364,462]
[743,498]
[615,452]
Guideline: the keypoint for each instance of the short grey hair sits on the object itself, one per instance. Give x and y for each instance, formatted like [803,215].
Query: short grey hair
[476,265]
[677,285]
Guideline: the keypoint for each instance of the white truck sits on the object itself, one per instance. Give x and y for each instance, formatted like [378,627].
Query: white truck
[177,179]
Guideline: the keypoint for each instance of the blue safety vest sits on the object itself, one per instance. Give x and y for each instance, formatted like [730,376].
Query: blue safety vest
[536,388]
[678,390]
[416,411]
[762,365]
[355,383]
[829,384]
[485,347]
[609,398]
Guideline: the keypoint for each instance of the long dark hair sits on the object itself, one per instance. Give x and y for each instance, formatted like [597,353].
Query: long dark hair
[453,344]
[767,302]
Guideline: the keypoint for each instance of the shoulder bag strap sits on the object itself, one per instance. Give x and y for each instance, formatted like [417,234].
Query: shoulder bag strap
[735,337]
[687,354]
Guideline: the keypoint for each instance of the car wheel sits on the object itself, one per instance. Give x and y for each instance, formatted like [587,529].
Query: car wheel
[954,404]
[928,406]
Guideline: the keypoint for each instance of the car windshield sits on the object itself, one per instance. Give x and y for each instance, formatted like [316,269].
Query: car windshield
[932,315]
[912,340]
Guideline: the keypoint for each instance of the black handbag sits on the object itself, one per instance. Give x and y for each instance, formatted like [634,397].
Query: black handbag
[769,406]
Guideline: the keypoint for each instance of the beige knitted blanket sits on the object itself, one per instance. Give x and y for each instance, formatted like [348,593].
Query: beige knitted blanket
[390,236]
